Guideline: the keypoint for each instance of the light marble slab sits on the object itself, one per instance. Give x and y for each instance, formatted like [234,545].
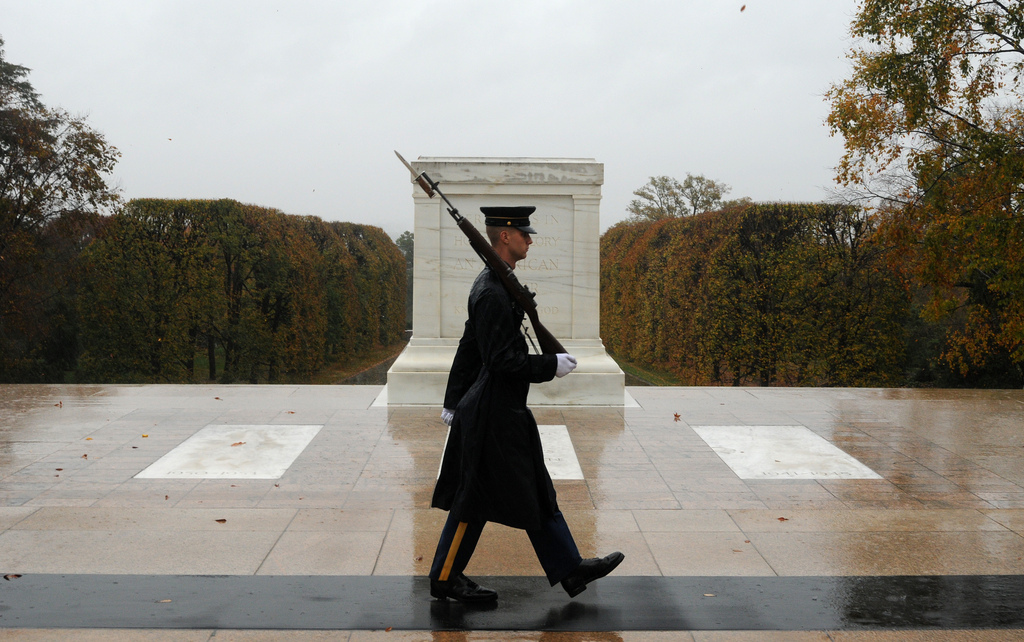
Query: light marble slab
[559,453]
[234,452]
[781,452]
[562,269]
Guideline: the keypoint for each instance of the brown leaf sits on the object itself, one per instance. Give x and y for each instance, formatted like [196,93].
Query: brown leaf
[86,456]
[676,415]
[238,443]
[59,469]
[783,519]
[291,412]
[217,398]
[11,576]
[166,497]
[742,8]
[221,521]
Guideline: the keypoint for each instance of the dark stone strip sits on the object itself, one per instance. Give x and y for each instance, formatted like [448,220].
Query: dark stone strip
[526,603]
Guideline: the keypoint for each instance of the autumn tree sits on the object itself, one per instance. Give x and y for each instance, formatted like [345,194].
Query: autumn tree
[703,194]
[782,293]
[52,166]
[933,124]
[665,197]
[406,243]
[267,296]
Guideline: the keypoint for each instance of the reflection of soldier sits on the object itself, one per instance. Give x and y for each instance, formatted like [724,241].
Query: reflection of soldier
[493,467]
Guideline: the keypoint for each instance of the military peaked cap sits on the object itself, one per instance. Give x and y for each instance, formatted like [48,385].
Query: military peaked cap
[518,216]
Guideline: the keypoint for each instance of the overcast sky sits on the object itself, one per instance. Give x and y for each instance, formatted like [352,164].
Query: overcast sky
[298,105]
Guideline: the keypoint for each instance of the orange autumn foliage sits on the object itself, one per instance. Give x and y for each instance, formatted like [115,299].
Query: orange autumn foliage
[772,294]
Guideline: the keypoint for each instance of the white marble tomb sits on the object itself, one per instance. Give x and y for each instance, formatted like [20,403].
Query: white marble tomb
[563,268]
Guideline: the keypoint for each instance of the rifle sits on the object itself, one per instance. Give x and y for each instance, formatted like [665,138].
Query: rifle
[519,292]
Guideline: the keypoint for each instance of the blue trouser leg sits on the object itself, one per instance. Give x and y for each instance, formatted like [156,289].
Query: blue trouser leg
[555,547]
[455,547]
[552,542]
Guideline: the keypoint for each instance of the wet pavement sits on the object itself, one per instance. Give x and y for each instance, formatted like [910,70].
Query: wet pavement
[338,546]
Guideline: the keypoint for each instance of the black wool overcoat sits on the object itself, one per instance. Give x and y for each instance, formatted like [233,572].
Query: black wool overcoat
[493,467]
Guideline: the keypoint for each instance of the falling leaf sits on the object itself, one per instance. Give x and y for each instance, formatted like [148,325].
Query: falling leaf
[221,521]
[11,576]
[238,443]
[676,415]
[783,519]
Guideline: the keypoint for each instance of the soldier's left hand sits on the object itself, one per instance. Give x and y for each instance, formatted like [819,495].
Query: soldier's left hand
[566,364]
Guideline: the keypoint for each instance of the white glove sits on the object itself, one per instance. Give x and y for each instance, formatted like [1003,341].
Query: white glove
[447,416]
[566,364]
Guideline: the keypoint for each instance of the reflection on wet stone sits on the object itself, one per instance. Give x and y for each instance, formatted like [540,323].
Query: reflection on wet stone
[949,504]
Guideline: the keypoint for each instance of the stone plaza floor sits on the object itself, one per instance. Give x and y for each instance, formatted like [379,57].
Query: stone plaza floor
[928,546]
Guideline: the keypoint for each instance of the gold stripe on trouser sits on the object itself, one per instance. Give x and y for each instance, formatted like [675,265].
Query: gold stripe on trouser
[450,560]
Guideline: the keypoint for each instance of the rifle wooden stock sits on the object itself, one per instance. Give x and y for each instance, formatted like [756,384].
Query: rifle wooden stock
[548,343]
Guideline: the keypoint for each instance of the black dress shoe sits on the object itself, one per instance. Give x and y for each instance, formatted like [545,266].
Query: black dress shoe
[590,570]
[461,588]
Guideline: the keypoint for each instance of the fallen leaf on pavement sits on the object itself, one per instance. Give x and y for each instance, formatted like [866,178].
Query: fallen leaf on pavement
[221,521]
[238,443]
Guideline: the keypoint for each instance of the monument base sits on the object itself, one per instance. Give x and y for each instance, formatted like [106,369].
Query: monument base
[420,374]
